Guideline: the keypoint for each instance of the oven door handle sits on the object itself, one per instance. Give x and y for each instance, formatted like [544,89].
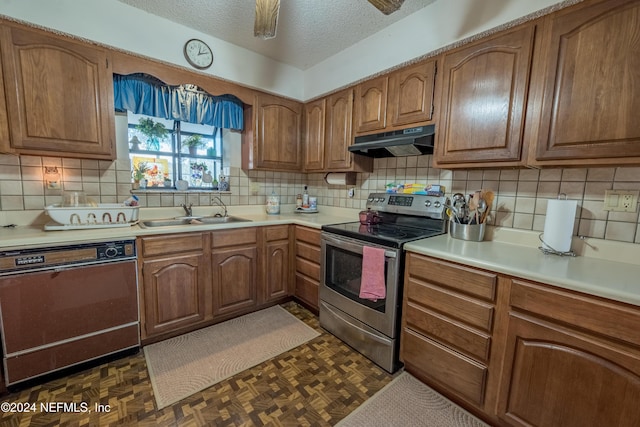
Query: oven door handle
[353,245]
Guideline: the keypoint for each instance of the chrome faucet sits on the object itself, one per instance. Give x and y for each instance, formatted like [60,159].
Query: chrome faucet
[187,209]
[216,200]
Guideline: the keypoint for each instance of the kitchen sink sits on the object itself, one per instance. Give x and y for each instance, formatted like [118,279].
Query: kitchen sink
[190,220]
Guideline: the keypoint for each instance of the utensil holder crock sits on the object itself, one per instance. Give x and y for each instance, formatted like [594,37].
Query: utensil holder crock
[471,232]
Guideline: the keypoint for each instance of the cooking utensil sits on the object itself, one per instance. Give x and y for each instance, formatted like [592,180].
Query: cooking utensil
[481,209]
[488,197]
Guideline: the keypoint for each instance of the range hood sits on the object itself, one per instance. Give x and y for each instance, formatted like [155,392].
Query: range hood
[405,142]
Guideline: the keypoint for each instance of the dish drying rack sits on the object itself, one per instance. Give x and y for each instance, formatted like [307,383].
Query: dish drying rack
[103,215]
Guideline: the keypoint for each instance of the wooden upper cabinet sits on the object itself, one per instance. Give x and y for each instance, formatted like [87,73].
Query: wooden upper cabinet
[590,85]
[371,105]
[329,127]
[411,94]
[484,89]
[271,139]
[59,95]
[339,135]
[5,146]
[314,115]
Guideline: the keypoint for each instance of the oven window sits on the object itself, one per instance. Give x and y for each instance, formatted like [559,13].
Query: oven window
[343,274]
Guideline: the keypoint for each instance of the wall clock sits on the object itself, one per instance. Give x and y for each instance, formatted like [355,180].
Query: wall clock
[198,54]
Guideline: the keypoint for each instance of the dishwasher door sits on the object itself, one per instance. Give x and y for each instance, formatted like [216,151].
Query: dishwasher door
[60,317]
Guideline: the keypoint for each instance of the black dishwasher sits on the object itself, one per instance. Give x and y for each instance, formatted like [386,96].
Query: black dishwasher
[64,305]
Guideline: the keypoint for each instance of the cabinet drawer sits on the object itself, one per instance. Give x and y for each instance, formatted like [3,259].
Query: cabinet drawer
[308,252]
[308,268]
[279,232]
[453,334]
[456,306]
[449,369]
[309,235]
[307,290]
[609,318]
[464,279]
[235,237]
[172,244]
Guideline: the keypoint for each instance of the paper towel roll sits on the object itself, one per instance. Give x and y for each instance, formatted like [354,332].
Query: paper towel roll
[340,178]
[558,225]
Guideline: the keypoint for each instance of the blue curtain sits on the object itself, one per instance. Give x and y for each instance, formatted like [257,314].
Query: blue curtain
[143,94]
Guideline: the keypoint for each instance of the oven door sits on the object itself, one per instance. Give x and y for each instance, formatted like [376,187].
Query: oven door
[340,279]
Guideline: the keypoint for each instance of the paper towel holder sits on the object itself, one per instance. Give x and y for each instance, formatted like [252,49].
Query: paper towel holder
[549,250]
[340,178]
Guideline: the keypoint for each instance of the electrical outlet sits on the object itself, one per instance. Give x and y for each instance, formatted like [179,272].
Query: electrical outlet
[621,200]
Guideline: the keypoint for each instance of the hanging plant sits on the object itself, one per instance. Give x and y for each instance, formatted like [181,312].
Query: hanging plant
[154,131]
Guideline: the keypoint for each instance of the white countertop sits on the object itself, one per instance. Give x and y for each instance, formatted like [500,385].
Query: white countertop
[34,235]
[603,268]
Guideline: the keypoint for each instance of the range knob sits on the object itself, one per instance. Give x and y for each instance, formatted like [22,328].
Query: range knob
[371,199]
[111,252]
[427,203]
[437,204]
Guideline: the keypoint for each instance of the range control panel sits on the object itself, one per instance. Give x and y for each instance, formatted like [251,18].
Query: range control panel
[408,204]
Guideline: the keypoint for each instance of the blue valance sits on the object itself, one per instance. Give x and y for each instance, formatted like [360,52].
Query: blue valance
[143,94]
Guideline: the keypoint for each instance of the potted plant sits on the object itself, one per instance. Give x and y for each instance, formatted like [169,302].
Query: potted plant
[138,174]
[193,143]
[154,131]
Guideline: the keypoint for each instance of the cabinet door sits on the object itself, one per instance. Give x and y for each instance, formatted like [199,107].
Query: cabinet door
[339,130]
[411,94]
[555,376]
[314,114]
[277,271]
[234,279]
[5,143]
[371,105]
[173,293]
[484,92]
[591,95]
[277,139]
[59,95]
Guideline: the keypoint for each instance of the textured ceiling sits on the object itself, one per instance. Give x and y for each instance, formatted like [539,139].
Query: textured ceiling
[309,31]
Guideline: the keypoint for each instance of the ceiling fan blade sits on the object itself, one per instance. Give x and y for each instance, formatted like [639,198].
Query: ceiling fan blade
[266,18]
[387,6]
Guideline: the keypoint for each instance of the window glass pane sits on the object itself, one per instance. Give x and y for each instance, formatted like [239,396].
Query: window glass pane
[186,151]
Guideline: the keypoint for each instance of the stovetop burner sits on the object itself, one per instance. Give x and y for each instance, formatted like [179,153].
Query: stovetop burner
[405,217]
[392,235]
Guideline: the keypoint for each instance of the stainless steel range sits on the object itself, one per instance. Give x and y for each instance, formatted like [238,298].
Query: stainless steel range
[391,220]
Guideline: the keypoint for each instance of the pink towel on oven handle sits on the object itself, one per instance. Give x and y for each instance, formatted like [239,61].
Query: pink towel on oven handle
[372,285]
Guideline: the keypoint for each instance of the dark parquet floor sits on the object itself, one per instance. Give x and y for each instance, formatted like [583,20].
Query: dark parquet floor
[315,384]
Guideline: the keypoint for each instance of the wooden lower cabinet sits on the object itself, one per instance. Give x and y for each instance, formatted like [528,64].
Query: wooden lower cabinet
[234,264]
[520,353]
[570,360]
[174,279]
[307,266]
[191,280]
[276,263]
[447,327]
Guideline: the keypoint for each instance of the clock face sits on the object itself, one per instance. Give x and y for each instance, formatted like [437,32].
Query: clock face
[198,54]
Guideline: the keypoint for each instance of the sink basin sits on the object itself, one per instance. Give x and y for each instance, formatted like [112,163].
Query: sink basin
[187,221]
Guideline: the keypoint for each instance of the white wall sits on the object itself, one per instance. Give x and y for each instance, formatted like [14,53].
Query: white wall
[116,24]
[121,26]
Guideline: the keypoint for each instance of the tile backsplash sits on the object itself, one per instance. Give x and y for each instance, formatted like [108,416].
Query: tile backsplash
[521,194]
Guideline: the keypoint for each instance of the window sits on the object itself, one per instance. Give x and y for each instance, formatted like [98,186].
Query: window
[171,150]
